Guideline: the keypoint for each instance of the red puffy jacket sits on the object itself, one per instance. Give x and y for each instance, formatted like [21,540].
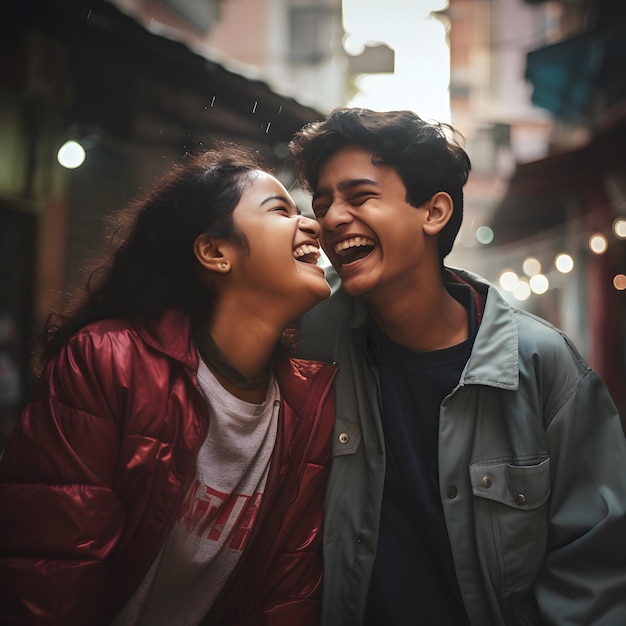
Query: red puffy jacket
[99,463]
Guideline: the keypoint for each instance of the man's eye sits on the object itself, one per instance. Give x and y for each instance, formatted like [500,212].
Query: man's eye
[320,210]
[360,198]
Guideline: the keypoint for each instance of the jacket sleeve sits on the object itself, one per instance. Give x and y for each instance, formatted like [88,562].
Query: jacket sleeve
[59,516]
[583,579]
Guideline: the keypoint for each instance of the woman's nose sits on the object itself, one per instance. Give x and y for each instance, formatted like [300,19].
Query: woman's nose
[309,225]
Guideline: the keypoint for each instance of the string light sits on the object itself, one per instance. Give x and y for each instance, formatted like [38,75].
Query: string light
[539,283]
[598,243]
[531,253]
[619,228]
[619,282]
[71,155]
[484,235]
[564,263]
[531,266]
[508,280]
[522,290]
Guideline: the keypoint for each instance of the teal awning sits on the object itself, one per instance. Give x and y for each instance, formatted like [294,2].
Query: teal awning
[566,75]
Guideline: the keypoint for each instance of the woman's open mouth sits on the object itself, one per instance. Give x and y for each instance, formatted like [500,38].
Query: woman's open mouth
[307,253]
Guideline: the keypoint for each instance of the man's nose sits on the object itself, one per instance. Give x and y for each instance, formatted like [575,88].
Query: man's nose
[338,213]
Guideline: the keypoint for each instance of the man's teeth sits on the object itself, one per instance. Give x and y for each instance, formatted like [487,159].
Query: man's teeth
[307,250]
[353,242]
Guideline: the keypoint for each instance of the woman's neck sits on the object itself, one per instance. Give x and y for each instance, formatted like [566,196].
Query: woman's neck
[239,352]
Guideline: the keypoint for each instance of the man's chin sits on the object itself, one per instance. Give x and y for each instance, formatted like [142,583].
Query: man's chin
[354,287]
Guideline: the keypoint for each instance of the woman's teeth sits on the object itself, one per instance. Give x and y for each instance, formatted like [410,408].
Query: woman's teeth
[306,253]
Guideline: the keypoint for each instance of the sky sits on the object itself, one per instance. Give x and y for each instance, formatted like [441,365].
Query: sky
[422,62]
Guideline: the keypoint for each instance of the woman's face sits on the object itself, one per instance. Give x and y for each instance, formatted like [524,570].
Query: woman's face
[280,266]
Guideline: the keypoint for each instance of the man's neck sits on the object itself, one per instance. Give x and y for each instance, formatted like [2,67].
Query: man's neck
[424,319]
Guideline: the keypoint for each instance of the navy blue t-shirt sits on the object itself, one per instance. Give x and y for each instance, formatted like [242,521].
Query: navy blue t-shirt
[414,579]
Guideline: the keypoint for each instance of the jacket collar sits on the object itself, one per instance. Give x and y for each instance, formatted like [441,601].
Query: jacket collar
[494,359]
[171,335]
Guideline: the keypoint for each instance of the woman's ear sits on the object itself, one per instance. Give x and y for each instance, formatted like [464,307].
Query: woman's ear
[439,211]
[212,253]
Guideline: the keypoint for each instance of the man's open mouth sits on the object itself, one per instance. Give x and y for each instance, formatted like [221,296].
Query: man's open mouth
[307,253]
[353,249]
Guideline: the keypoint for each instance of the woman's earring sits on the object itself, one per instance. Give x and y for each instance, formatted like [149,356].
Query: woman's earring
[223,265]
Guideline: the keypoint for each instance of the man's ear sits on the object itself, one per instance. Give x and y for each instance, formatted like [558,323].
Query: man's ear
[212,253]
[439,211]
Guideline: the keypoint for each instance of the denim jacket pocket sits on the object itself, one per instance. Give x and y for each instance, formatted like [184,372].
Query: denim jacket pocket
[511,518]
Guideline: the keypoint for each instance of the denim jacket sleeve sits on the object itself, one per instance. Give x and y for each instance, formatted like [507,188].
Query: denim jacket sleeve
[583,578]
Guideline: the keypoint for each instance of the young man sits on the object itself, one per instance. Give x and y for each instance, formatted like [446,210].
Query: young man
[479,470]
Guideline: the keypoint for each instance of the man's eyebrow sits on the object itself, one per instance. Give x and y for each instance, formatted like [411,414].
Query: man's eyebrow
[345,185]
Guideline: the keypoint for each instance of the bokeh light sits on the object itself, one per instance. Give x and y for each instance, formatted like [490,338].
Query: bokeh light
[508,280]
[484,235]
[539,283]
[531,266]
[71,155]
[619,227]
[598,243]
[619,282]
[522,290]
[564,263]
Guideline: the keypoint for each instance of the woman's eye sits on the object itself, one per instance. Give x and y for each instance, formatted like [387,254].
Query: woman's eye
[281,209]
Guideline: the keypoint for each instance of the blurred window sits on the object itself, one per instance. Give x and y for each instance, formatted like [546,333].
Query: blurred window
[310,33]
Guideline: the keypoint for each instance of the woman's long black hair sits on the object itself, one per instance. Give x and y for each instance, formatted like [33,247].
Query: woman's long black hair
[154,268]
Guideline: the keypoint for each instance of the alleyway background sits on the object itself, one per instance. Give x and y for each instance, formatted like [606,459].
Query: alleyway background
[535,86]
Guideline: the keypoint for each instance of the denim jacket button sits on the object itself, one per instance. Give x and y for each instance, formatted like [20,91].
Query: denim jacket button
[344,438]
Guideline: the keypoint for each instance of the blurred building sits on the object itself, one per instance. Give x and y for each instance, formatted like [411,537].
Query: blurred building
[535,87]
[295,46]
[573,200]
[133,85]
[490,103]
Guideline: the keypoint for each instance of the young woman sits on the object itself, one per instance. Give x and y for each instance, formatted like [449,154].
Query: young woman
[171,465]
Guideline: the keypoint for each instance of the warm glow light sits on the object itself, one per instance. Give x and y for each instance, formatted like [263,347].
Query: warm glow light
[564,263]
[508,280]
[619,227]
[71,155]
[619,282]
[522,290]
[539,283]
[598,244]
[531,266]
[484,235]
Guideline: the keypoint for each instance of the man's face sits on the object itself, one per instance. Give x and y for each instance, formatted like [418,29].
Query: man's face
[373,237]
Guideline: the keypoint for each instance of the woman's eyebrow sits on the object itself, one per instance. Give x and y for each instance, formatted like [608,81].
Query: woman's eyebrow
[275,197]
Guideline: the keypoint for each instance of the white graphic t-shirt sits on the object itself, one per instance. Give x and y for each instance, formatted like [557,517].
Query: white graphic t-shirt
[217,514]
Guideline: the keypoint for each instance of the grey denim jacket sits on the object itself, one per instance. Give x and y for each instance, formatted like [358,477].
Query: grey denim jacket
[532,472]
